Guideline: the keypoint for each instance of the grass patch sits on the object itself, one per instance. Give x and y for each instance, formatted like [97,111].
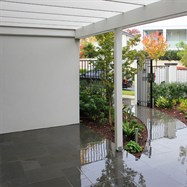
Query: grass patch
[128,92]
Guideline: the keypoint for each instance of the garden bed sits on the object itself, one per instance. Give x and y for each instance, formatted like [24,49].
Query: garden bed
[107,132]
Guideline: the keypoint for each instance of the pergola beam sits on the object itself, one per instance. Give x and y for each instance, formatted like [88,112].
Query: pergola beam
[22,31]
[158,11]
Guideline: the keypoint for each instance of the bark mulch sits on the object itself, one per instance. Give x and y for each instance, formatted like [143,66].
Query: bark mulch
[108,132]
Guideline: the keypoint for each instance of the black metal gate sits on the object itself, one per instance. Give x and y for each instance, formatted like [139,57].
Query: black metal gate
[143,85]
[147,75]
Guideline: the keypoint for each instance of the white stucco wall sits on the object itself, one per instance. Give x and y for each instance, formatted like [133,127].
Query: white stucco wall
[39,82]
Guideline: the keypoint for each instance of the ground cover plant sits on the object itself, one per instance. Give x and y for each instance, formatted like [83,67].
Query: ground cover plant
[132,130]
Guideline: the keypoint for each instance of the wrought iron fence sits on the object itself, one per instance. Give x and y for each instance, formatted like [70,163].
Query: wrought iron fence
[87,68]
[93,152]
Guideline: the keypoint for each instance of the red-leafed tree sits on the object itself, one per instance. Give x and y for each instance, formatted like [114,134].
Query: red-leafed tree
[155,45]
[133,31]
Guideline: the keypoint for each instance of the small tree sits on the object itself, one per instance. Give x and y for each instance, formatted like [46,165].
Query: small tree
[155,45]
[105,62]
[182,53]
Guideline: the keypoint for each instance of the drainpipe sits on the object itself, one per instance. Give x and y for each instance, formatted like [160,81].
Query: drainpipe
[118,89]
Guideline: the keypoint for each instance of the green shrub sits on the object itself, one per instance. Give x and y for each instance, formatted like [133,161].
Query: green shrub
[133,147]
[171,55]
[81,71]
[163,102]
[171,91]
[89,50]
[183,106]
[93,103]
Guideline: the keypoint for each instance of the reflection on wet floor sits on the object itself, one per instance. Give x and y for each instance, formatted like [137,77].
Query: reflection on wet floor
[163,163]
[76,156]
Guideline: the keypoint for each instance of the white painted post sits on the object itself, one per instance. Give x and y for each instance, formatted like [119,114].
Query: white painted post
[118,89]
[165,34]
[167,73]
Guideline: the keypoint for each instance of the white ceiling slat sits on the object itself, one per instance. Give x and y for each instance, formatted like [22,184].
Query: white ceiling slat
[44,19]
[50,16]
[41,22]
[96,5]
[158,11]
[88,17]
[54,10]
[57,5]
[38,25]
[50,13]
[44,26]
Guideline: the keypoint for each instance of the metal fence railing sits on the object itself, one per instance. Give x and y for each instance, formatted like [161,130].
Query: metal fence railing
[87,66]
[93,152]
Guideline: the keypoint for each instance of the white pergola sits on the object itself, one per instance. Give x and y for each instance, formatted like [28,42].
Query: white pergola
[82,18]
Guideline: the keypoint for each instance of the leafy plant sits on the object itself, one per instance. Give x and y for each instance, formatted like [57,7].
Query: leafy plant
[89,50]
[171,55]
[105,61]
[183,106]
[137,125]
[92,103]
[183,52]
[171,91]
[133,147]
[163,102]
[81,71]
[129,128]
[127,113]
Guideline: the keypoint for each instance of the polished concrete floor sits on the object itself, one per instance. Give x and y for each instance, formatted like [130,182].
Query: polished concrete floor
[76,156]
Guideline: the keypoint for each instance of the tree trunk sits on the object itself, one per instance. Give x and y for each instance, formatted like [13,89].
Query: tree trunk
[110,114]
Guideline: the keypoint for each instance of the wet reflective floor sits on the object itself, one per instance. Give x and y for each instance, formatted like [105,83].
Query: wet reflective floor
[76,156]
[163,163]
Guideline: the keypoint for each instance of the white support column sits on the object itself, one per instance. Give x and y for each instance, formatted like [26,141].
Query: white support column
[165,34]
[118,88]
[167,74]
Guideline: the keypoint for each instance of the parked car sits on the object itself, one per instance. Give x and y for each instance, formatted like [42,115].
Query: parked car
[96,75]
[127,83]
